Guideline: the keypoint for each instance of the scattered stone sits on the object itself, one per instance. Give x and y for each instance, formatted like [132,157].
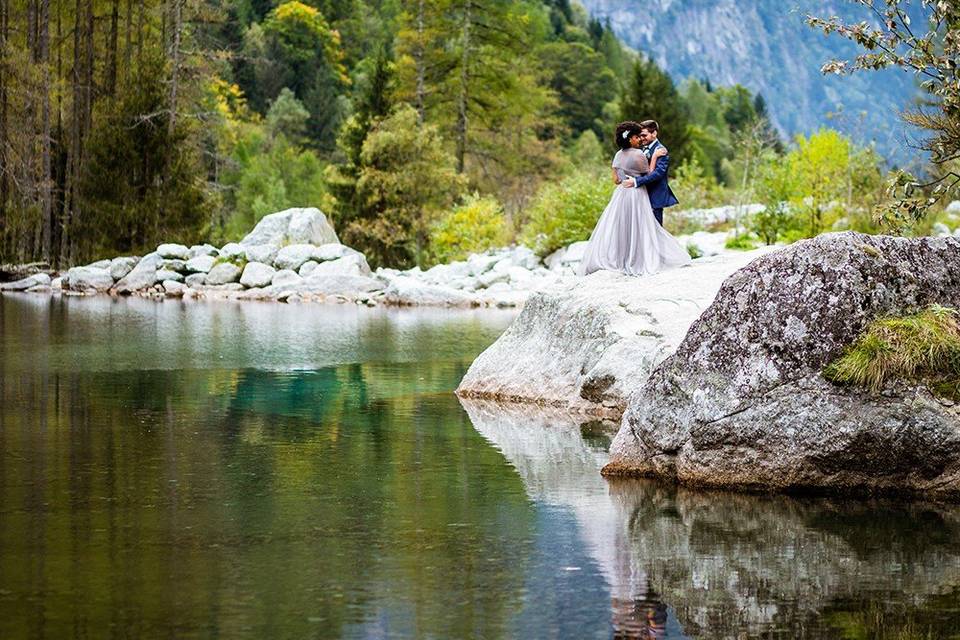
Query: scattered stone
[174,289]
[233,252]
[173,251]
[121,266]
[196,280]
[174,265]
[286,278]
[99,264]
[354,264]
[56,284]
[257,274]
[200,264]
[143,275]
[332,251]
[203,250]
[223,273]
[407,291]
[265,253]
[165,275]
[90,279]
[293,256]
[307,268]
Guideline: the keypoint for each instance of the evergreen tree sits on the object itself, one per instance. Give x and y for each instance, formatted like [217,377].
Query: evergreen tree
[652,95]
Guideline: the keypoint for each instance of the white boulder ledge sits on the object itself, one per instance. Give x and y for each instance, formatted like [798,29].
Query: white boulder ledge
[24,284]
[292,226]
[743,404]
[587,343]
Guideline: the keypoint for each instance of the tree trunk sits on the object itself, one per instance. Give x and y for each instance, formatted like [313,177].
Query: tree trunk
[463,97]
[4,136]
[418,56]
[177,27]
[46,177]
[110,76]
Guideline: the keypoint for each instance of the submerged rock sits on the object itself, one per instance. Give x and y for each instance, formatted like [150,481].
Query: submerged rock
[587,343]
[743,404]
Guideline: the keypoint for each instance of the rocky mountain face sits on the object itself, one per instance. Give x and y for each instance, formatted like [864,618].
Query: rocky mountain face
[766,46]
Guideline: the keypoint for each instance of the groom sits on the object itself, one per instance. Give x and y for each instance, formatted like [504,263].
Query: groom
[656,182]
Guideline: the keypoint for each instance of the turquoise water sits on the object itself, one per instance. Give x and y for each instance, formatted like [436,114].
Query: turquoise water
[196,470]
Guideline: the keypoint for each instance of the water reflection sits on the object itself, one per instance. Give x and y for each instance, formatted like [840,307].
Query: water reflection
[717,565]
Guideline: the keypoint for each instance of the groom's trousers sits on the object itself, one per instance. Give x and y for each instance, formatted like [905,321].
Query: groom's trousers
[658,214]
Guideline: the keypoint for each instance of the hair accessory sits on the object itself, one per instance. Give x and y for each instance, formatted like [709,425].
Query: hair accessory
[626,133]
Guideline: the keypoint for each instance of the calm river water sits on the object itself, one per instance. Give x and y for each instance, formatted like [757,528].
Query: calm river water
[199,470]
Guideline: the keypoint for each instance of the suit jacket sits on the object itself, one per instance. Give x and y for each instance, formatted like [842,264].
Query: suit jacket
[657,182]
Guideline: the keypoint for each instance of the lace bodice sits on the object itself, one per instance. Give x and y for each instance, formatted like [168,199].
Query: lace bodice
[630,163]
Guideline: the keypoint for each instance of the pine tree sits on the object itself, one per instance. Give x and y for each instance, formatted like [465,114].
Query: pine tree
[652,95]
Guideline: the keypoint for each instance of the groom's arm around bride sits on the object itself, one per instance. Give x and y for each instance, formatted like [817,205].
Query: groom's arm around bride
[657,181]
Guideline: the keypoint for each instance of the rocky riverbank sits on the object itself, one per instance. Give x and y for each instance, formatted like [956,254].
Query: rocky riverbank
[587,345]
[296,256]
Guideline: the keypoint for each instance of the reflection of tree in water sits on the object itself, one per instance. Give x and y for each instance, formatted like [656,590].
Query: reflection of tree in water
[642,617]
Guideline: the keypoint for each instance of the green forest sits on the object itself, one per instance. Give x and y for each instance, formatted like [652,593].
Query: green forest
[425,129]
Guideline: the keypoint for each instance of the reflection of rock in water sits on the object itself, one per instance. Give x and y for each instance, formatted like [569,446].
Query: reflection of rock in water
[734,565]
[729,565]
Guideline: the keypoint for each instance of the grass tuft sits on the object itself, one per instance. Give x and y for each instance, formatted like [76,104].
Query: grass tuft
[922,347]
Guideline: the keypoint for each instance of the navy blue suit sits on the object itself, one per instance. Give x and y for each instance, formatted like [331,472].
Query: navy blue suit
[658,184]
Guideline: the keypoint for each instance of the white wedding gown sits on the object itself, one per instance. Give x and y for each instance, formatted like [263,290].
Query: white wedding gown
[627,237]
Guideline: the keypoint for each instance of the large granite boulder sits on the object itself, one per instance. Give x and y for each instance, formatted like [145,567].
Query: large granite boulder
[257,274]
[587,343]
[122,265]
[89,279]
[223,273]
[143,275]
[294,255]
[405,291]
[743,404]
[172,251]
[293,226]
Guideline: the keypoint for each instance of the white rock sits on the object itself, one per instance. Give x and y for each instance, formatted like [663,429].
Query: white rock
[233,251]
[203,250]
[200,264]
[524,257]
[294,255]
[355,265]
[173,288]
[173,251]
[223,273]
[89,279]
[257,274]
[174,265]
[196,280]
[292,226]
[407,291]
[348,285]
[36,280]
[589,342]
[492,277]
[143,275]
[56,284]
[520,275]
[164,275]
[122,265]
[954,207]
[480,263]
[332,251]
[310,226]
[99,264]
[286,277]
[264,253]
[940,230]
[307,267]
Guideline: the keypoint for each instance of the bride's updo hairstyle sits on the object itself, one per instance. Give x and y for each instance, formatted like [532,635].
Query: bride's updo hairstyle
[625,131]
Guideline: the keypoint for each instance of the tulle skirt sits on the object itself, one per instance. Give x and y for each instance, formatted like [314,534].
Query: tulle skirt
[628,238]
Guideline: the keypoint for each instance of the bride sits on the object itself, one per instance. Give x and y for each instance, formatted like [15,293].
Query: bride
[627,237]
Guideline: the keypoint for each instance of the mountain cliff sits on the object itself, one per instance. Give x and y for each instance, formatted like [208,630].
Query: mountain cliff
[766,46]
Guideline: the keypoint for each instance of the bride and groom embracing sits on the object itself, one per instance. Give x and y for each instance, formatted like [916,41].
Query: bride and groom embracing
[629,237]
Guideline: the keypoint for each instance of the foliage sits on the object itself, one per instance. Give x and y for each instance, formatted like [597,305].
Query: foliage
[741,242]
[141,183]
[472,227]
[652,95]
[923,347]
[582,82]
[407,178]
[892,41]
[695,188]
[566,211]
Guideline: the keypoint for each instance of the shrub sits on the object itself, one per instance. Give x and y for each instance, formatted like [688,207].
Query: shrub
[742,242]
[923,347]
[694,251]
[475,226]
[566,210]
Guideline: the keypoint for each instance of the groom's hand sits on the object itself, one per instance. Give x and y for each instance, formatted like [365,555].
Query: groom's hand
[629,183]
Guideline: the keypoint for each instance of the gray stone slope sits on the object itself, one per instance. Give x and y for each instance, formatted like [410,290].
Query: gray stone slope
[742,402]
[587,343]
